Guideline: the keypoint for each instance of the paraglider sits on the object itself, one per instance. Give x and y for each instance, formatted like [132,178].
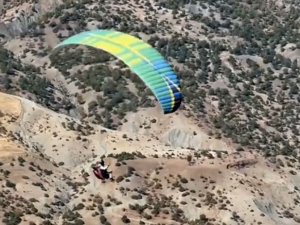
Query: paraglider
[101,172]
[141,58]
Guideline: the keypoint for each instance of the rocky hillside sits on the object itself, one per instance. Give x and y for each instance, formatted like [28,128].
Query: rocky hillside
[17,17]
[243,84]
[229,155]
[46,175]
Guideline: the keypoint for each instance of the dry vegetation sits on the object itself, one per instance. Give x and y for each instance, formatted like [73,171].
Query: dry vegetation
[244,84]
[238,65]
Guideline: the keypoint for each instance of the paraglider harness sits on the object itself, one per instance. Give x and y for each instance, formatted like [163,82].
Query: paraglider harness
[101,174]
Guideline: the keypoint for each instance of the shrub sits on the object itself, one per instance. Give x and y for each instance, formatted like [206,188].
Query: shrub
[10,184]
[125,219]
[119,179]
[103,219]
[12,218]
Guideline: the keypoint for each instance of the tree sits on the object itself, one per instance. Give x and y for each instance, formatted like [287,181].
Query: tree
[189,159]
[125,219]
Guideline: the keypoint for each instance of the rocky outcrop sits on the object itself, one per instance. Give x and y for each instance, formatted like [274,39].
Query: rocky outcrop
[1,6]
[18,26]
[242,163]
[18,23]
[181,138]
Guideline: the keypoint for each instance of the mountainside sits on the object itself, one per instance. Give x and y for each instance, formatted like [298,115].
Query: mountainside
[47,178]
[229,155]
[243,83]
[17,17]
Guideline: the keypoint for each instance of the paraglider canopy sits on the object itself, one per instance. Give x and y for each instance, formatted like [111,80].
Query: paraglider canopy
[141,58]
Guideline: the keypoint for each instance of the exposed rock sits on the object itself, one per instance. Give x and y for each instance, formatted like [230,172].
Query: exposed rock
[267,208]
[1,6]
[15,24]
[242,163]
[297,219]
[180,138]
